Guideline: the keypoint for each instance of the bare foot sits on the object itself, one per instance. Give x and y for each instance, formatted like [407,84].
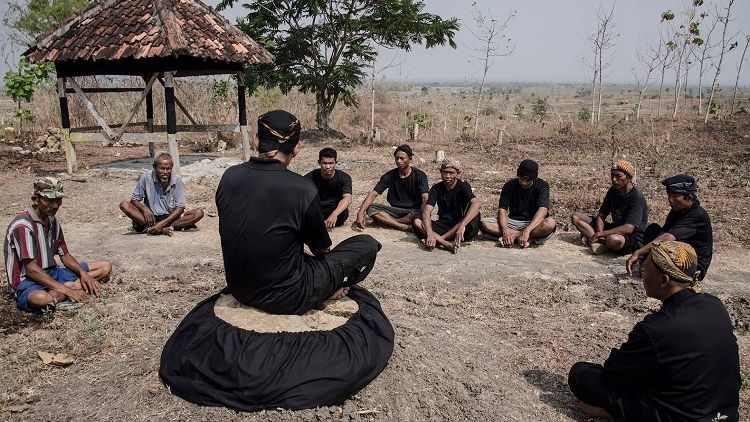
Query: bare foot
[593,411]
[340,293]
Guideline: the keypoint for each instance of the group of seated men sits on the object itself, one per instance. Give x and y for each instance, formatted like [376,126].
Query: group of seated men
[680,363]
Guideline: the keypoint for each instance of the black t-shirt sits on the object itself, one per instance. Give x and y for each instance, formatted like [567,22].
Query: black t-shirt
[332,191]
[266,214]
[629,208]
[522,204]
[693,226]
[403,192]
[684,357]
[452,204]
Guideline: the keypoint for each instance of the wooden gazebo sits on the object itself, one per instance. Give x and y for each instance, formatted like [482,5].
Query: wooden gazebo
[157,40]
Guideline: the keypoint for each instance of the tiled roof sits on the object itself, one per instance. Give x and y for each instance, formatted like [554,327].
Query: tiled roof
[111,30]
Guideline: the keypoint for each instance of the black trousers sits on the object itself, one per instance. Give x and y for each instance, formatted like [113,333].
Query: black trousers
[442,227]
[345,265]
[586,383]
[652,231]
[341,219]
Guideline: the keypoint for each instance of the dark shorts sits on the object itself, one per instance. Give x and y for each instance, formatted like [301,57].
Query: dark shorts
[140,228]
[633,241]
[27,286]
[442,227]
[341,219]
[345,265]
[394,212]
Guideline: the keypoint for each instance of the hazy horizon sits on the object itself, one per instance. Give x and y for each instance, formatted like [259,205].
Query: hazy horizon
[550,40]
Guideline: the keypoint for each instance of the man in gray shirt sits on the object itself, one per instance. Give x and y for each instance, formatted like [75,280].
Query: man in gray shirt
[158,202]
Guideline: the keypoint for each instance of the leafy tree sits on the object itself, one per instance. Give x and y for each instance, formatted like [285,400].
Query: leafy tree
[322,46]
[539,108]
[30,18]
[22,84]
[584,114]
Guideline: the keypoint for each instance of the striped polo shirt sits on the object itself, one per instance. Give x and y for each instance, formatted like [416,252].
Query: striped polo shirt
[27,238]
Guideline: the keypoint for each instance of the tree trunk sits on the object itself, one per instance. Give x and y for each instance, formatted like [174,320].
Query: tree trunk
[593,97]
[661,86]
[721,59]
[372,103]
[322,113]
[739,69]
[599,110]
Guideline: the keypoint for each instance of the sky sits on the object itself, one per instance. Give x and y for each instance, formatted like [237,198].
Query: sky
[550,38]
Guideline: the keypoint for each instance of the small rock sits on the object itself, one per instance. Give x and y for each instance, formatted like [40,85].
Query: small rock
[117,154]
[19,408]
[53,130]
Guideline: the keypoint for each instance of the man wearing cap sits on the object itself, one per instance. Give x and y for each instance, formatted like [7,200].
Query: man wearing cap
[458,210]
[267,214]
[678,364]
[32,240]
[523,213]
[157,205]
[334,188]
[687,222]
[626,204]
[407,192]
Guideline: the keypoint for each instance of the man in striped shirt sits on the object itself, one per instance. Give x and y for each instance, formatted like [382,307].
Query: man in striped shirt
[33,239]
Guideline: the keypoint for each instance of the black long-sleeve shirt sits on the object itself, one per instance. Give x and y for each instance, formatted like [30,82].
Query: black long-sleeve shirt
[684,358]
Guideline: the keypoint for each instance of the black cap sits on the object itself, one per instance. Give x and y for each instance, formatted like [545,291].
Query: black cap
[278,130]
[405,148]
[528,169]
[681,183]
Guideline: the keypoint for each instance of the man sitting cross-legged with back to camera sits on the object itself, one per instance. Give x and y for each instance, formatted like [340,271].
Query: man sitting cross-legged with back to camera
[33,239]
[334,188]
[267,214]
[523,213]
[158,202]
[458,211]
[678,364]
[626,204]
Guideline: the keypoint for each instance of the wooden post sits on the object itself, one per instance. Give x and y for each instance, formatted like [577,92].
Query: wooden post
[137,105]
[150,121]
[241,107]
[92,109]
[70,150]
[174,150]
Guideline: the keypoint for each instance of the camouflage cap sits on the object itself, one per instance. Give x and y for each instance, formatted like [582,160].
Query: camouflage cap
[48,187]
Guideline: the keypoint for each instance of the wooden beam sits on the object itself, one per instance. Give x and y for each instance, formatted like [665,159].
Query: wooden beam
[150,120]
[71,159]
[199,128]
[246,151]
[83,129]
[179,104]
[137,105]
[169,102]
[126,137]
[106,90]
[99,119]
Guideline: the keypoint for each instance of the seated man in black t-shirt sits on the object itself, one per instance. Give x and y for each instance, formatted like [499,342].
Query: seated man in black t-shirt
[678,364]
[407,192]
[266,216]
[334,188]
[523,213]
[626,204]
[458,211]
[687,222]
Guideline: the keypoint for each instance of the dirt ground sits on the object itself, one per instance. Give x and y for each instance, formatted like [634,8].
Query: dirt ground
[487,334]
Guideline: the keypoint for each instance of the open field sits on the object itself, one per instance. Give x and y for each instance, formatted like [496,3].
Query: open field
[487,334]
